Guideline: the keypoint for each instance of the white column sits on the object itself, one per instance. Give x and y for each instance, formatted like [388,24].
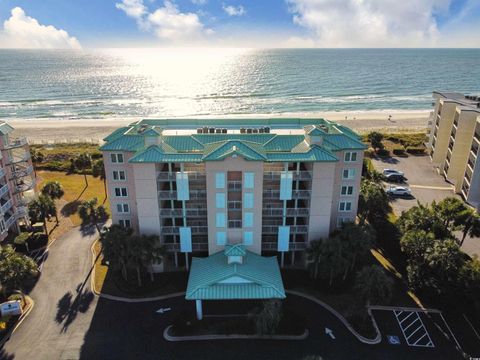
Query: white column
[198,305]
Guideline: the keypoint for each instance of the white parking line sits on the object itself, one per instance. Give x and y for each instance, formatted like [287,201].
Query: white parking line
[414,335]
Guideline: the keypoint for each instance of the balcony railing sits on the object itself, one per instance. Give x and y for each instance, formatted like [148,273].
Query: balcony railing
[167,194]
[24,187]
[290,211]
[7,206]
[165,176]
[198,194]
[298,229]
[195,247]
[476,136]
[16,143]
[168,230]
[171,212]
[301,194]
[19,158]
[22,172]
[3,190]
[293,246]
[21,212]
[271,194]
[11,220]
[2,171]
[297,175]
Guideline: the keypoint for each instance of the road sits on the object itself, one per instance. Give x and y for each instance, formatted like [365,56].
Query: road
[50,331]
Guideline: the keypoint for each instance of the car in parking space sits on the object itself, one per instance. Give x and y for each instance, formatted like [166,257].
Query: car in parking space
[387,172]
[395,178]
[399,191]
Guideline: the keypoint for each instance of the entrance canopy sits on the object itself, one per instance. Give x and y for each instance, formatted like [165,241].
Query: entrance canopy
[233,274]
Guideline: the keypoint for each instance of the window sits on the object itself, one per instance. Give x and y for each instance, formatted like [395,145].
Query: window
[248,200]
[341,221]
[220,180]
[248,219]
[350,157]
[347,190]
[345,206]
[119,175]
[348,174]
[121,192]
[116,158]
[220,219]
[221,238]
[220,200]
[248,238]
[249,180]
[125,223]
[123,208]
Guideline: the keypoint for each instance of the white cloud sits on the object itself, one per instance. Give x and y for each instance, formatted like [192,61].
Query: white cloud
[369,23]
[199,2]
[22,31]
[166,22]
[234,10]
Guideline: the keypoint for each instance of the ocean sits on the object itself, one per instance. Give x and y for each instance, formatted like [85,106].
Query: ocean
[121,83]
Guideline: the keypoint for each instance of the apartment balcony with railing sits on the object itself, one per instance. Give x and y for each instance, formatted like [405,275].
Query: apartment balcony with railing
[297,175]
[234,205]
[4,190]
[474,149]
[234,224]
[5,205]
[174,213]
[193,176]
[23,186]
[175,247]
[234,185]
[278,211]
[295,229]
[471,161]
[175,230]
[293,246]
[476,136]
[16,143]
[20,172]
[2,173]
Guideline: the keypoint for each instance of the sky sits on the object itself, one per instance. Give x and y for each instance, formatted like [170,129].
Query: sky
[80,24]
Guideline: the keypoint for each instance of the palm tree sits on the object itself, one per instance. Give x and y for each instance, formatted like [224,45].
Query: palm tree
[54,190]
[143,252]
[82,162]
[372,285]
[42,209]
[358,240]
[469,224]
[92,213]
[98,170]
[115,247]
[15,269]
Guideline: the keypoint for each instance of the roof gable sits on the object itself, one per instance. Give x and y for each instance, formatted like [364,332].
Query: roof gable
[231,147]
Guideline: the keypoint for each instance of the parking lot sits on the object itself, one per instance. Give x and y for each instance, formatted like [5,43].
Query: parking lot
[426,186]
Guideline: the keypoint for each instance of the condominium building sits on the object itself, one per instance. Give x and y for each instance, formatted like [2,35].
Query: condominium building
[454,141]
[17,181]
[271,185]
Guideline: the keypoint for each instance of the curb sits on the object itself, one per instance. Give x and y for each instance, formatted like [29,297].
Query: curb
[19,321]
[168,337]
[374,341]
[120,298]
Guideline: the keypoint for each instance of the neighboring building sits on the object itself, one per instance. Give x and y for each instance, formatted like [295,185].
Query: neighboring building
[272,185]
[17,181]
[454,142]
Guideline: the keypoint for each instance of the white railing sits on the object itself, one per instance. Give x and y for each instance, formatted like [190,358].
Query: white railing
[16,143]
[10,221]
[297,175]
[3,190]
[7,206]
[23,172]
[2,171]
[21,212]
[273,246]
[167,194]
[235,185]
[16,159]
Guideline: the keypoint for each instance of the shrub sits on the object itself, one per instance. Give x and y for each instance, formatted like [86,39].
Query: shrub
[22,241]
[399,150]
[369,153]
[383,153]
[416,150]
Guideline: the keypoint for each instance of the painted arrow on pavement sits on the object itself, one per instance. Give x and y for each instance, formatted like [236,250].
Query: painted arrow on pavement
[330,333]
[162,310]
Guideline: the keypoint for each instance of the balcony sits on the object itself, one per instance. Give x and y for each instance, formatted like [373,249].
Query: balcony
[7,206]
[3,190]
[476,136]
[271,194]
[171,212]
[293,246]
[16,143]
[272,212]
[195,247]
[167,194]
[301,194]
[474,150]
[234,205]
[290,212]
[21,212]
[298,229]
[297,175]
[24,187]
[234,224]
[169,230]
[165,176]
[2,172]
[10,221]
[198,194]
[18,158]
[22,172]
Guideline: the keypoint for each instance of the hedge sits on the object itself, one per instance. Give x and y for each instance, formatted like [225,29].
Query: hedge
[415,150]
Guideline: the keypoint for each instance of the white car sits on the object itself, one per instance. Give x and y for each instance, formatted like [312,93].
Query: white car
[399,191]
[392,171]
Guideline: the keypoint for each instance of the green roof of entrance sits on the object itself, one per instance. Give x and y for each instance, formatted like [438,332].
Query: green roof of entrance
[288,140]
[212,278]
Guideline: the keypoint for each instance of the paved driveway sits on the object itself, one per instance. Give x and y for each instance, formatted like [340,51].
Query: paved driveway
[426,184]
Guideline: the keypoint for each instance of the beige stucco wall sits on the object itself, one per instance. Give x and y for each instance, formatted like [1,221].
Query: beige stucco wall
[339,182]
[461,148]
[234,235]
[444,129]
[129,184]
[145,177]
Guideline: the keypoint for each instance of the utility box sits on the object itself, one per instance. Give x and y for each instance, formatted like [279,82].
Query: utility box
[13,307]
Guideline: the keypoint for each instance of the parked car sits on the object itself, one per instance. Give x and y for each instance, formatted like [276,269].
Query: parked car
[395,178]
[399,191]
[387,172]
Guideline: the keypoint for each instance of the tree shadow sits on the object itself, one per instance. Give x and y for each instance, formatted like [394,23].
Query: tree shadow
[70,208]
[88,229]
[68,309]
[6,356]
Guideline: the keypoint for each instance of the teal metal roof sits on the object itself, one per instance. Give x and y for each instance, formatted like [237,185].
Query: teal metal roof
[5,128]
[212,278]
[235,250]
[188,147]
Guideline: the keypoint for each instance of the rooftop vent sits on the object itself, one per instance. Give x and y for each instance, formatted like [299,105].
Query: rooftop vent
[224,131]
[324,128]
[218,131]
[199,131]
